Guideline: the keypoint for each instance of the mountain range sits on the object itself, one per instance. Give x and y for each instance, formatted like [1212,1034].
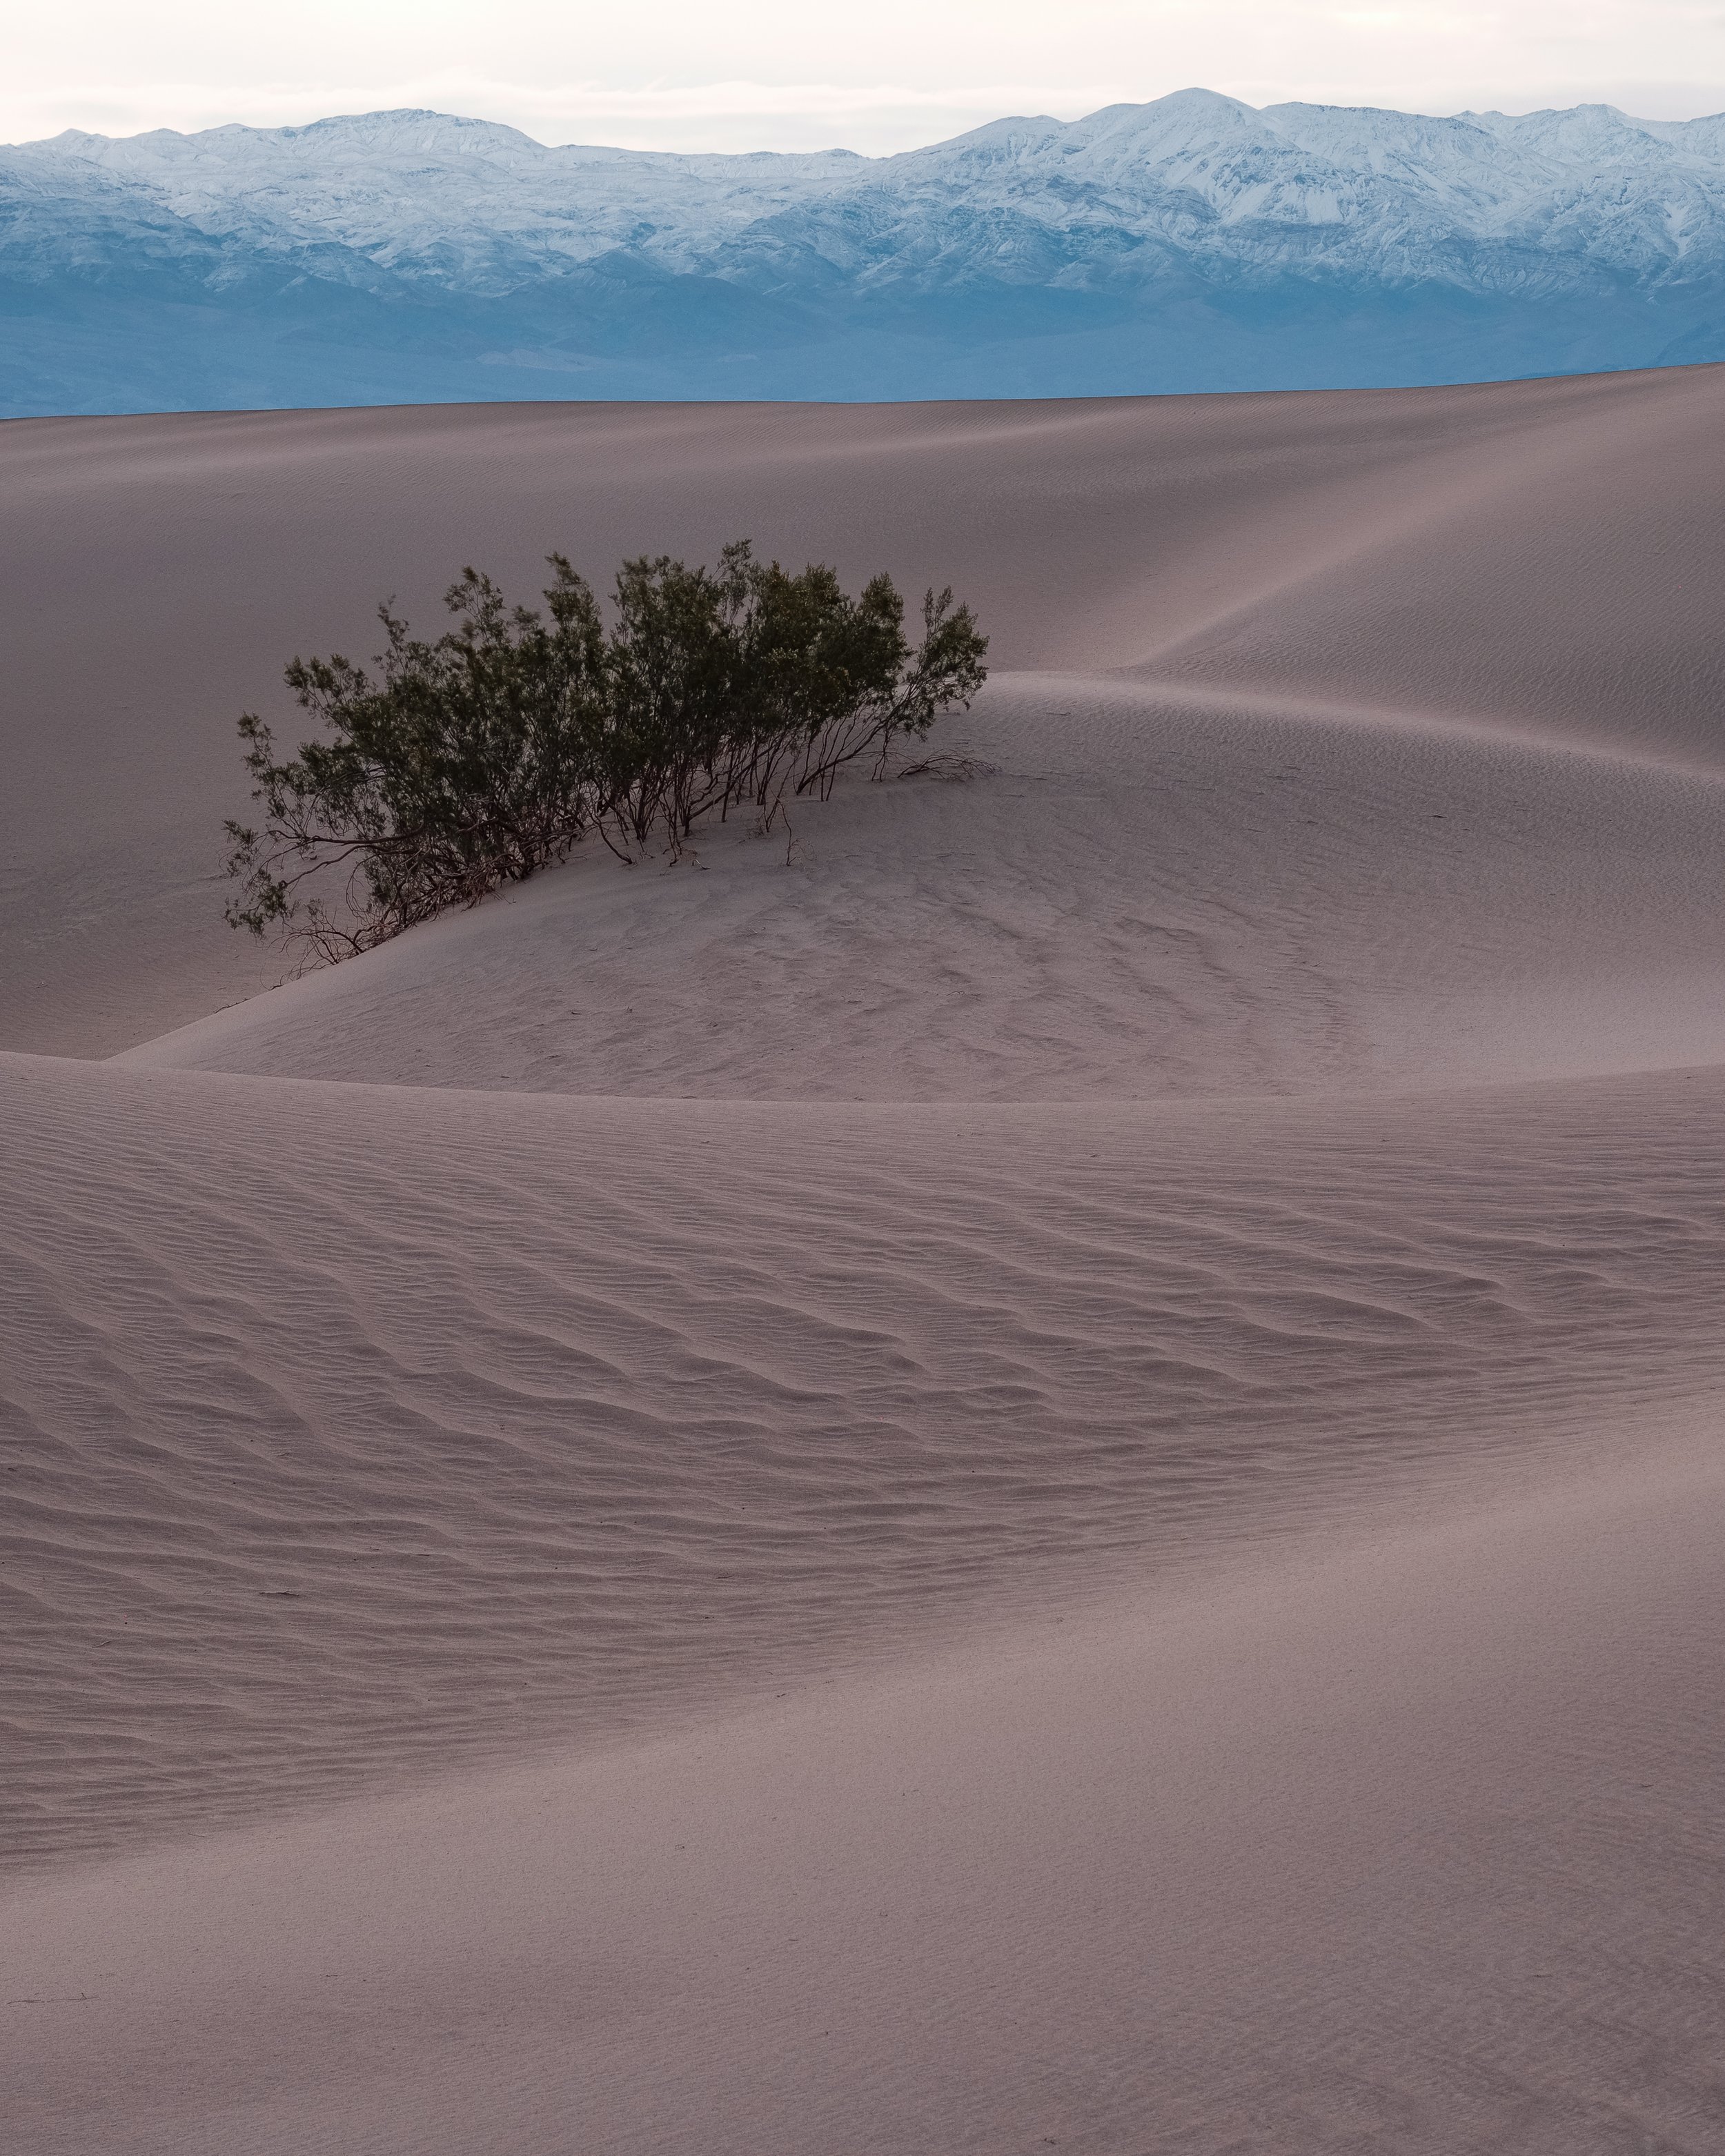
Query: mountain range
[1191,244]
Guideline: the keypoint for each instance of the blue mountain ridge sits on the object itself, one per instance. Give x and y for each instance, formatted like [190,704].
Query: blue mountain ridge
[1190,244]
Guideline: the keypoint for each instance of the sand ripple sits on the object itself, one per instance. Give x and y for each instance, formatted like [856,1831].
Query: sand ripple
[352,1428]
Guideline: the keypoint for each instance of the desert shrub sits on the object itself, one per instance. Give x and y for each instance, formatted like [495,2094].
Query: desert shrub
[460,765]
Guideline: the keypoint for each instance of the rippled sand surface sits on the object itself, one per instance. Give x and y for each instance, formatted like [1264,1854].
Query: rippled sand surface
[1040,1469]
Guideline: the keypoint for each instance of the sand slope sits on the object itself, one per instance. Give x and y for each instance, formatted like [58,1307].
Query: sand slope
[1535,552]
[1139,897]
[1045,1475]
[361,1429]
[1411,1847]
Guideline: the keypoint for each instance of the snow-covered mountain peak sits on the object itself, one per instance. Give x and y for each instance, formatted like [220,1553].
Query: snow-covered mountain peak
[1036,227]
[385,181]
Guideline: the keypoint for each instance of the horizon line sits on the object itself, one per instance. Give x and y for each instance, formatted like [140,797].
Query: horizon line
[839,149]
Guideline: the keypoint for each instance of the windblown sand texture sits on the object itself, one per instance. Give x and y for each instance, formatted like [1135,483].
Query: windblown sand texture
[1039,1469]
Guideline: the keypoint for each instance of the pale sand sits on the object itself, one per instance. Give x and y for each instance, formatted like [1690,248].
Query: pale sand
[1047,1478]
[1543,554]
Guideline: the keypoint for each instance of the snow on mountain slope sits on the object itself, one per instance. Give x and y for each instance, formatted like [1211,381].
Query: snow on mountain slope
[459,202]
[1190,243]
[453,200]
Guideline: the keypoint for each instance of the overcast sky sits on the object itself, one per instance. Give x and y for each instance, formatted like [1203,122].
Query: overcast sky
[692,75]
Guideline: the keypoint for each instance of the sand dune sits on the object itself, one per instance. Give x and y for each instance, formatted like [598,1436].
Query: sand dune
[1040,1472]
[1410,1846]
[460,1421]
[1139,897]
[1541,553]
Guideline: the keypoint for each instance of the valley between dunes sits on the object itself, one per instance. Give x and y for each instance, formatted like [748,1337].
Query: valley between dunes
[1039,1469]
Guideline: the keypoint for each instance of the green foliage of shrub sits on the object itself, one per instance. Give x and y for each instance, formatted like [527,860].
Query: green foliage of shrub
[462,765]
